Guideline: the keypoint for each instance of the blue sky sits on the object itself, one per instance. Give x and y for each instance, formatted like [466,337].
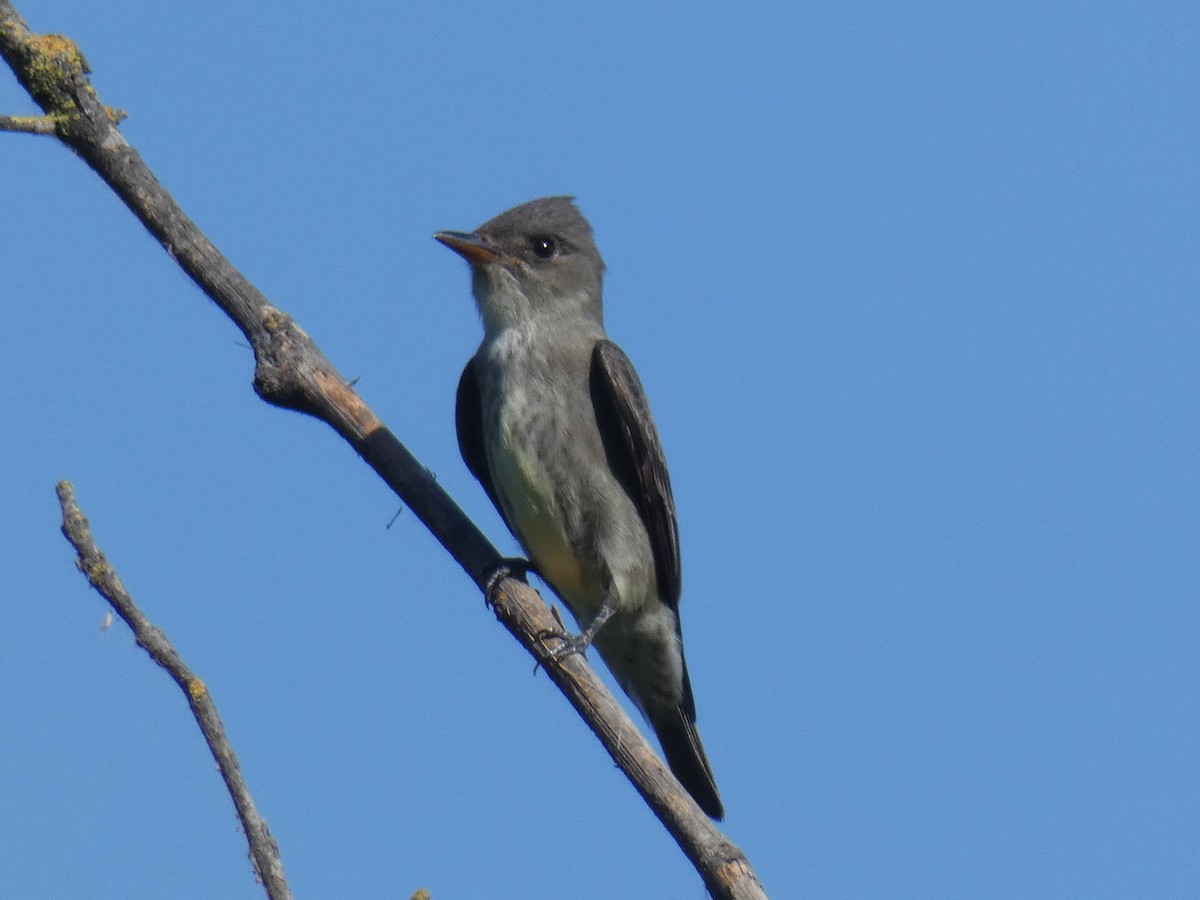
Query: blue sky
[913,289]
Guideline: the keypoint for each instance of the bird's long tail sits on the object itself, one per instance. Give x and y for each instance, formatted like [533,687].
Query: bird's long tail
[685,755]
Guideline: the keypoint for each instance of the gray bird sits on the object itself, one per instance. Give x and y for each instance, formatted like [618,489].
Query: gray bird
[553,421]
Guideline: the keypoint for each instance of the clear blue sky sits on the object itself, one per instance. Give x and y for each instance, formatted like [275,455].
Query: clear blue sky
[914,291]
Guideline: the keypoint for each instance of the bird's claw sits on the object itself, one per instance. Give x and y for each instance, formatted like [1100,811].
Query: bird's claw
[578,643]
[571,644]
[508,567]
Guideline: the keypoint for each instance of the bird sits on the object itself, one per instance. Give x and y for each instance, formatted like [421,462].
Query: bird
[553,421]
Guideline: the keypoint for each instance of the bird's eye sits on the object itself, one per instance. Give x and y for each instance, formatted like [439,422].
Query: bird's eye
[544,247]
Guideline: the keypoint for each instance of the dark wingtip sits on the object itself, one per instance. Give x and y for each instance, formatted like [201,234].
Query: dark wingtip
[685,755]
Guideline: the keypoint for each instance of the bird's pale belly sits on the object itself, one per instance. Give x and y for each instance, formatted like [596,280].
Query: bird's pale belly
[525,489]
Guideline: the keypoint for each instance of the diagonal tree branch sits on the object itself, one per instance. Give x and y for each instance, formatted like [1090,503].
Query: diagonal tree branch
[292,372]
[264,852]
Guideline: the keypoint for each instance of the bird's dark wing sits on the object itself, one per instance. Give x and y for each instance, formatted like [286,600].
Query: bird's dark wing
[468,422]
[636,455]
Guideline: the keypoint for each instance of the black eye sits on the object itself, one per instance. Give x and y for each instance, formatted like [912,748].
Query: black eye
[544,247]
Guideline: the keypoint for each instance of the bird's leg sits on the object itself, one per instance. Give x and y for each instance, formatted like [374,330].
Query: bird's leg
[578,643]
[509,566]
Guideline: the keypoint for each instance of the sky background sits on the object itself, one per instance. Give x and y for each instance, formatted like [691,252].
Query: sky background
[913,289]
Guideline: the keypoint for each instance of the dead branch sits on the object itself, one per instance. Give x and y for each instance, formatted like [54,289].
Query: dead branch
[264,852]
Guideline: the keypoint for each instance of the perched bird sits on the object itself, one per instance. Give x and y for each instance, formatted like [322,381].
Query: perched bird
[553,421]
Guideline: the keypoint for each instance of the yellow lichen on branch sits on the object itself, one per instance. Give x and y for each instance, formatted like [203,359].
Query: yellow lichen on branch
[54,69]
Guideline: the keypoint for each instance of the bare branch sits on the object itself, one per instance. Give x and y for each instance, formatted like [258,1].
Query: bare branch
[264,853]
[291,372]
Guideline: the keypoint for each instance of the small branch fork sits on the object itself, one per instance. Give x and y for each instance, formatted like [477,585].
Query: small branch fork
[264,853]
[291,372]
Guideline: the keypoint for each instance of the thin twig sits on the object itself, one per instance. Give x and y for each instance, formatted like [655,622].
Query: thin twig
[264,852]
[28,124]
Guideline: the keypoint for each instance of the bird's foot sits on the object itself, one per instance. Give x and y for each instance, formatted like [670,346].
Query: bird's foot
[508,567]
[578,643]
[569,644]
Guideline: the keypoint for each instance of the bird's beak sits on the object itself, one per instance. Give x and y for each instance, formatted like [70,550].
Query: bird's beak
[471,247]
